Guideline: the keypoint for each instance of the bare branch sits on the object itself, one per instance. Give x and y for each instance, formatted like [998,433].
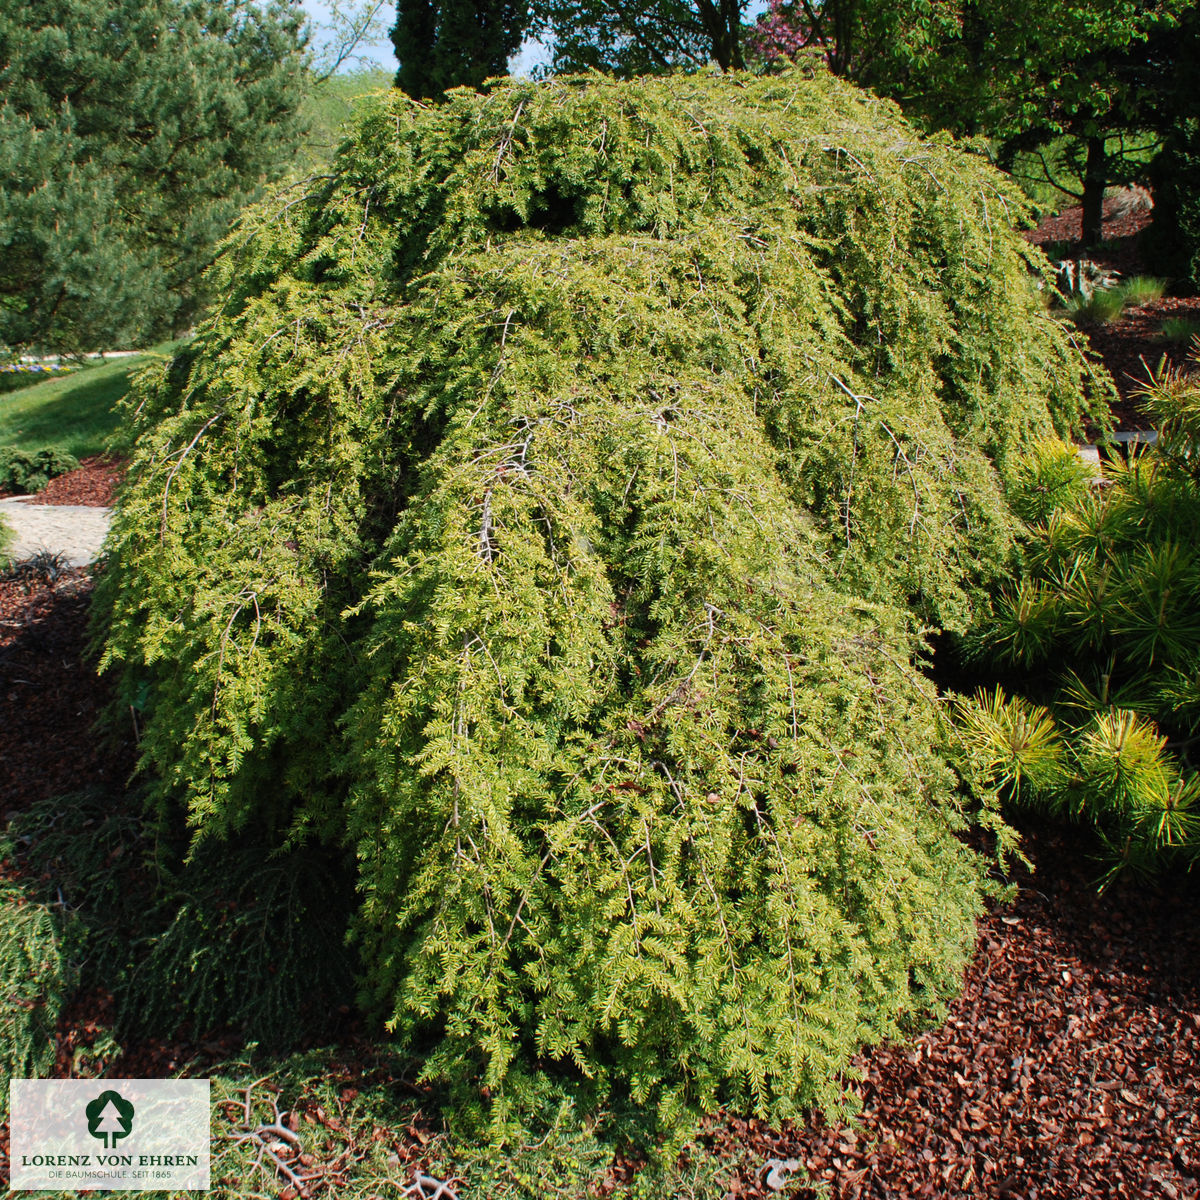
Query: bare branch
[350,25]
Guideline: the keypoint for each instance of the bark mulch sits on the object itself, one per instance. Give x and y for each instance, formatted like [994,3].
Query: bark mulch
[1068,1068]
[50,696]
[1131,348]
[93,482]
[1121,226]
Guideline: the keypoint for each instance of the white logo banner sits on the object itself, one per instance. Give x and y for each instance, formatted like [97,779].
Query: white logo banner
[117,1134]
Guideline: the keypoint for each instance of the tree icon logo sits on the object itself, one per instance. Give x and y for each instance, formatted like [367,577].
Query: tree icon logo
[109,1117]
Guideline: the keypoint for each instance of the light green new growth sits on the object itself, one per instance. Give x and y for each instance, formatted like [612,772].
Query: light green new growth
[1103,627]
[549,512]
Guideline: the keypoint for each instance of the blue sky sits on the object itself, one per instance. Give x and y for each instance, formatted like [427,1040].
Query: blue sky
[379,53]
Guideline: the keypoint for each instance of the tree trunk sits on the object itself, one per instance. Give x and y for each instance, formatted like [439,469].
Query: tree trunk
[843,24]
[722,24]
[1094,179]
[732,11]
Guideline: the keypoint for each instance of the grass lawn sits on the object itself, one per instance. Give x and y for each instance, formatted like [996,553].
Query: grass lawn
[73,413]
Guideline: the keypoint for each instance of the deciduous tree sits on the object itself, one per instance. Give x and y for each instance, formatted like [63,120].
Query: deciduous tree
[641,37]
[1021,72]
[868,41]
[1029,73]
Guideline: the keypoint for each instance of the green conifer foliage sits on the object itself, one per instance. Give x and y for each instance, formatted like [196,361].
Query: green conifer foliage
[550,511]
[1102,638]
[131,134]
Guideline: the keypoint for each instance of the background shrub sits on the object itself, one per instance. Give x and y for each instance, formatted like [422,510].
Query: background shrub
[549,516]
[26,473]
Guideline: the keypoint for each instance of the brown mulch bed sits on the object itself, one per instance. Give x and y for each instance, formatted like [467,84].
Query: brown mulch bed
[1069,1067]
[1121,228]
[49,699]
[1131,349]
[93,482]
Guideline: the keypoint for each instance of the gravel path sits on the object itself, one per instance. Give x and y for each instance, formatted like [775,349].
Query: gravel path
[75,531]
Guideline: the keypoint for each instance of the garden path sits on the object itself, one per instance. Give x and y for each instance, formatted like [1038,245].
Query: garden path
[76,531]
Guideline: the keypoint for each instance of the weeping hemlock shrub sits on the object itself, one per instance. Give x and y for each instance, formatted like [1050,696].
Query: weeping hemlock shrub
[550,512]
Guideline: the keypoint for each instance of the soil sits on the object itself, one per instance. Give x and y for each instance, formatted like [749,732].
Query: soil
[1068,1067]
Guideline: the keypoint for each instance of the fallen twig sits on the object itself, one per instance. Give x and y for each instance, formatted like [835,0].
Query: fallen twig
[274,1129]
[442,1191]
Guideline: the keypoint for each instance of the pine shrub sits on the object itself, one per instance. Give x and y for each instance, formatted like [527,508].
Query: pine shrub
[1102,637]
[551,513]
[246,939]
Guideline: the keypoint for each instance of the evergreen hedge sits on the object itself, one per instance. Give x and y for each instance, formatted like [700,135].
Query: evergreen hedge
[552,512]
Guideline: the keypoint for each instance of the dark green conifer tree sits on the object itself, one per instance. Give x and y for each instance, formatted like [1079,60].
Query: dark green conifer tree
[449,43]
[131,134]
